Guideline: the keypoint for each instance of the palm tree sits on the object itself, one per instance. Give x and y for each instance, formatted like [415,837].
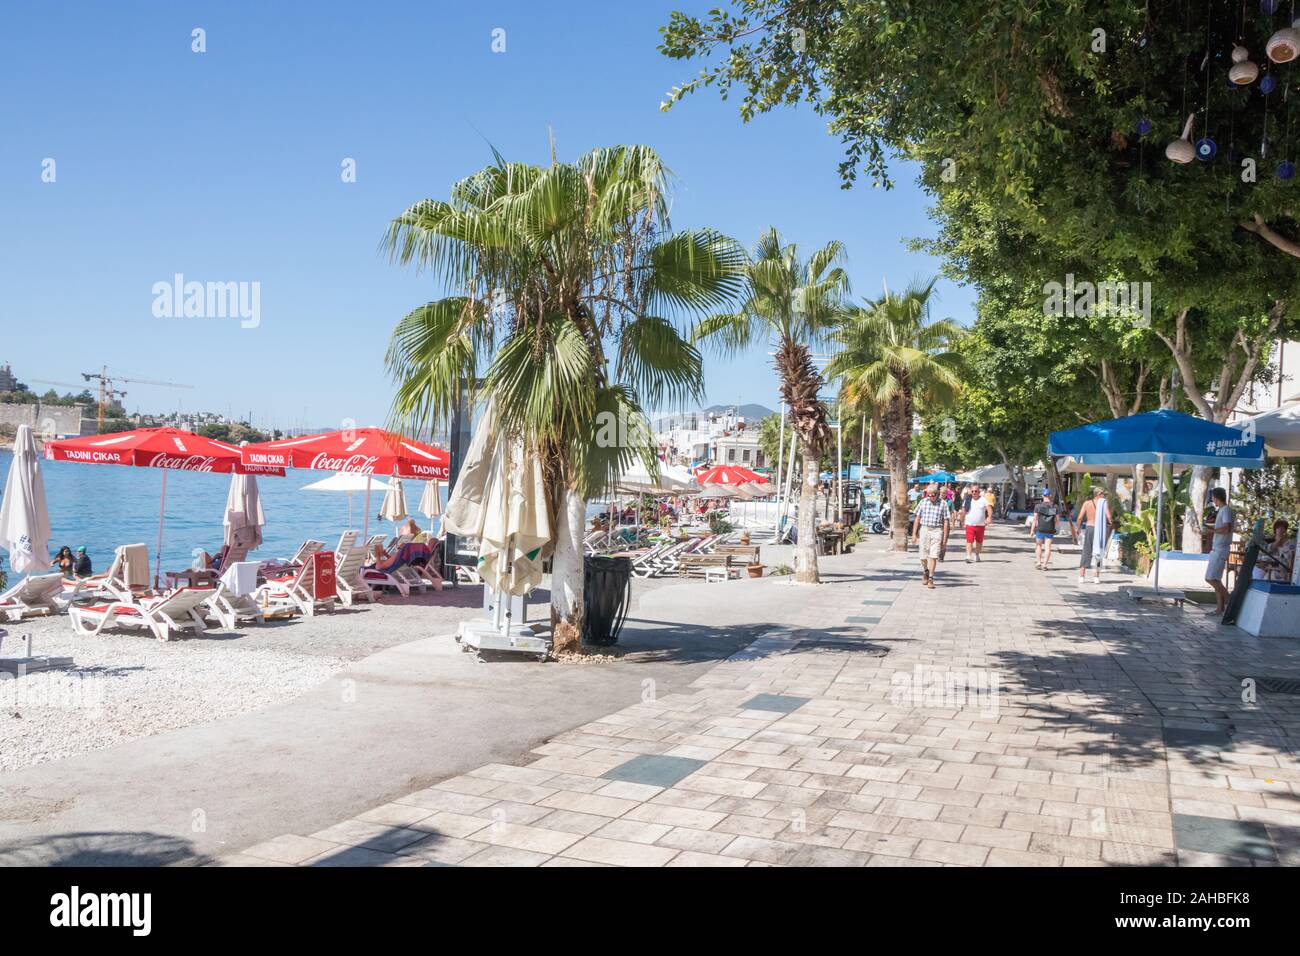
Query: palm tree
[891,360]
[791,303]
[568,284]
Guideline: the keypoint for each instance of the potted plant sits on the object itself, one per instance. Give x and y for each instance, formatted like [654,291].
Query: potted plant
[755,570]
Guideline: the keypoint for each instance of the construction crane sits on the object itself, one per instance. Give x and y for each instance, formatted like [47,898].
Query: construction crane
[109,392]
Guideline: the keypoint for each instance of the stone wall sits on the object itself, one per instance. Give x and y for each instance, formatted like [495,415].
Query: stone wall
[49,421]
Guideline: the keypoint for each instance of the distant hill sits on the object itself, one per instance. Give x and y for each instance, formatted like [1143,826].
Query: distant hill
[751,413]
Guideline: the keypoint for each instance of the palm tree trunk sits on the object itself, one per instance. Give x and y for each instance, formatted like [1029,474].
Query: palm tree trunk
[805,551]
[567,567]
[899,513]
[896,432]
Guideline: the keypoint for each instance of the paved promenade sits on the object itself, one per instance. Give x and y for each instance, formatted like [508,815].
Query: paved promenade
[1007,718]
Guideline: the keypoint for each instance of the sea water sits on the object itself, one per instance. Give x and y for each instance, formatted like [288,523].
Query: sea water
[103,506]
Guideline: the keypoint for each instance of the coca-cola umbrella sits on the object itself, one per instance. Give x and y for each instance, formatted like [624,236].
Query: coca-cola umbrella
[171,449]
[360,451]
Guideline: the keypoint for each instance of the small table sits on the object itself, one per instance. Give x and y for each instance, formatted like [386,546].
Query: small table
[193,577]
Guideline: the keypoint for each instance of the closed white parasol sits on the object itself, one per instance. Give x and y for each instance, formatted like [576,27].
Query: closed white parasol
[24,516]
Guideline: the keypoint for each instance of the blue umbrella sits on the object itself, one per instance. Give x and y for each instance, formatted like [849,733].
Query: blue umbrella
[939,477]
[1159,438]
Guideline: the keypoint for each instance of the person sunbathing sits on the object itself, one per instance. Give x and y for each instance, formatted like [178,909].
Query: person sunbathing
[387,561]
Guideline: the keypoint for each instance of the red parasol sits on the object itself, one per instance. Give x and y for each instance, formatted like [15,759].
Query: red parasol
[729,475]
[171,449]
[359,451]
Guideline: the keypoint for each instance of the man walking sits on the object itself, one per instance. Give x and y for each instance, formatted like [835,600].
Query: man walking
[1094,524]
[1043,528]
[1224,519]
[930,526]
[975,516]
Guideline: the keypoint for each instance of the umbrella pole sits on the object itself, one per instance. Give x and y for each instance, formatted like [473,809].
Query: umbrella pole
[162,507]
[1160,517]
[365,534]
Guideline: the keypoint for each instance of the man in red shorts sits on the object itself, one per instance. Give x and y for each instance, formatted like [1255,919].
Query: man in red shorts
[975,515]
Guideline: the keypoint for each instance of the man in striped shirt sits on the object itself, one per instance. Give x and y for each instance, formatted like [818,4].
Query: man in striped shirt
[930,523]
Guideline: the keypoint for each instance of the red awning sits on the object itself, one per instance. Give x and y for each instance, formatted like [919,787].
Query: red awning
[360,451]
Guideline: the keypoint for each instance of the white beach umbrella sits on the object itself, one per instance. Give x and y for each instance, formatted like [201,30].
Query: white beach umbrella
[431,500]
[1279,428]
[24,516]
[393,507]
[350,483]
[672,480]
[347,481]
[244,518]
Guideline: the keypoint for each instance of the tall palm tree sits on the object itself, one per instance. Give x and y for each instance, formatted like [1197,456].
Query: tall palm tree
[892,359]
[792,303]
[568,287]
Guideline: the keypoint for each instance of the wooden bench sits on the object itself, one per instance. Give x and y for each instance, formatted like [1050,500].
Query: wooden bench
[709,566]
[746,551]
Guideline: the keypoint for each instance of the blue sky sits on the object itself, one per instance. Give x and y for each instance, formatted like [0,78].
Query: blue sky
[225,166]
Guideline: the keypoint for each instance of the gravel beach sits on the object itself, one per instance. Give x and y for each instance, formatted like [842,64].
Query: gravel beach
[125,684]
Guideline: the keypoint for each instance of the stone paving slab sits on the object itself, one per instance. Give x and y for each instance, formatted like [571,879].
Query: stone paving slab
[1009,717]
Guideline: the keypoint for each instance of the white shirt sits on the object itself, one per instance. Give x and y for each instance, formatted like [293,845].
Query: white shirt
[1223,522]
[978,512]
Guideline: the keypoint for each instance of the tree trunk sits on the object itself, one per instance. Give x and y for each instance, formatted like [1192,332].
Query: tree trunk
[567,574]
[805,550]
[898,510]
[1200,484]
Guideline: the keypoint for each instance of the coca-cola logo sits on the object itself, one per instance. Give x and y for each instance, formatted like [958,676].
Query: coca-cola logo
[185,463]
[353,464]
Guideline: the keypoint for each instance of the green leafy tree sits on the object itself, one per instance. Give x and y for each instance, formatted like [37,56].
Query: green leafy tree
[792,303]
[567,283]
[894,358]
[1040,130]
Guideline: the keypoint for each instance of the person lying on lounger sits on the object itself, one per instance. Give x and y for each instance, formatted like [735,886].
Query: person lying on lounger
[409,553]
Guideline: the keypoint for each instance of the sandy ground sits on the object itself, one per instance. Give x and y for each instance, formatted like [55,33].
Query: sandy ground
[126,685]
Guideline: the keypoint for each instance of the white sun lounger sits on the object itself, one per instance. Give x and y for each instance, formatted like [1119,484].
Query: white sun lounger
[298,590]
[348,561]
[177,612]
[235,598]
[33,595]
[382,579]
[126,580]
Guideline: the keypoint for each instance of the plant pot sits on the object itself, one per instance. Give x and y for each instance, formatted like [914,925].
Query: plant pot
[744,537]
[755,570]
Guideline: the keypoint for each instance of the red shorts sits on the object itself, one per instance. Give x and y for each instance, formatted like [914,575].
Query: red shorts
[975,532]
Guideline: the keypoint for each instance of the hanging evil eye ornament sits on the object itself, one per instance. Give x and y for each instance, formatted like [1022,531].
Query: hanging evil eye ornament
[1206,149]
[1181,150]
[1267,83]
[1286,169]
[1144,126]
[1243,72]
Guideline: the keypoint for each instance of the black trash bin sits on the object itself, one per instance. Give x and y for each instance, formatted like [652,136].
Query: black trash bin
[607,592]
